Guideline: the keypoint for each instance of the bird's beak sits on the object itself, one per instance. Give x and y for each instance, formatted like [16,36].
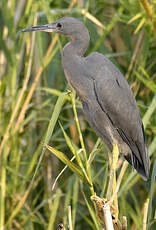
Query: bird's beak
[46,28]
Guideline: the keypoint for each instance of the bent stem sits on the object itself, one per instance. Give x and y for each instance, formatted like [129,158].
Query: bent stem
[72,95]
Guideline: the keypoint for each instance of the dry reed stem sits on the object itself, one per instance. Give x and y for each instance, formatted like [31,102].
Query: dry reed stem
[148,8]
[92,18]
[108,217]
[150,13]
[61,227]
[72,3]
[124,223]
[145,212]
[20,204]
[112,179]
[33,86]
[136,50]
[18,103]
[123,169]
[16,224]
[70,218]
[105,210]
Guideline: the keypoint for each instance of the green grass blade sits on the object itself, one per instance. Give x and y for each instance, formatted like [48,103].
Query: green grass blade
[54,117]
[73,150]
[151,192]
[72,94]
[67,199]
[152,146]
[67,162]
[149,112]
[50,128]
[147,82]
[92,213]
[54,209]
[75,199]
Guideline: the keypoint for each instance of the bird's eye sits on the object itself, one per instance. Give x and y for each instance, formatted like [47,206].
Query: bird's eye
[59,25]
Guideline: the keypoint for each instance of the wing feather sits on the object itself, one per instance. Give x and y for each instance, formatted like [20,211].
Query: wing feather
[116,99]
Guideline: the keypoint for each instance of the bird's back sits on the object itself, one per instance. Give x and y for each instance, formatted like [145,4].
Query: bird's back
[116,100]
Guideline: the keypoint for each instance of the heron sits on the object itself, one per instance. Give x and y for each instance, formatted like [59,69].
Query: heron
[107,100]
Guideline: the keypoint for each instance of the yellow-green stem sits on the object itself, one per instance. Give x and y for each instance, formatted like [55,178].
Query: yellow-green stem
[81,141]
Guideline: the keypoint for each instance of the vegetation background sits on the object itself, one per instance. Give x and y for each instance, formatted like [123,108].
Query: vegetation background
[36,108]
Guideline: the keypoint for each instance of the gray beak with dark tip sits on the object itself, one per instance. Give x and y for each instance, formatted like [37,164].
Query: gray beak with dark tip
[45,28]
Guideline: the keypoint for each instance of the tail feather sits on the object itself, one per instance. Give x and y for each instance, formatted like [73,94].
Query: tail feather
[143,168]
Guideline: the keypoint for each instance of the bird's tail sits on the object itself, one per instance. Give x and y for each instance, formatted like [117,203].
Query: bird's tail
[143,168]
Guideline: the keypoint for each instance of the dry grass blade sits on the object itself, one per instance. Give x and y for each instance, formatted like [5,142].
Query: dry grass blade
[135,52]
[19,99]
[108,217]
[19,205]
[124,223]
[142,22]
[145,212]
[150,12]
[113,167]
[70,218]
[92,18]
[34,84]
[123,169]
[147,7]
[135,18]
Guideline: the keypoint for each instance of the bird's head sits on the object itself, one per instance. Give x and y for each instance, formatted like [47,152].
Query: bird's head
[68,26]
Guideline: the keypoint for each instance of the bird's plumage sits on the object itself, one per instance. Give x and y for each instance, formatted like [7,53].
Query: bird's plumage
[108,102]
[116,100]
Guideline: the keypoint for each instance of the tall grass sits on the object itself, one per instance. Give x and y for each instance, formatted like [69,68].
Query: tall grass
[39,112]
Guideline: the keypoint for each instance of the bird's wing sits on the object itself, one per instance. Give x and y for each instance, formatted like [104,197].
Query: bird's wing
[115,97]
[116,100]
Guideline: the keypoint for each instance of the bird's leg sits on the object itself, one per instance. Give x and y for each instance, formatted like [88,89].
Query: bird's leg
[112,179]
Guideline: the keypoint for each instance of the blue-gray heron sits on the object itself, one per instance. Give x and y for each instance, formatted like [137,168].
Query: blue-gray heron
[108,102]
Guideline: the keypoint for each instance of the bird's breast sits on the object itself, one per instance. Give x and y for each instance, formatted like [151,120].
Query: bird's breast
[68,78]
[77,82]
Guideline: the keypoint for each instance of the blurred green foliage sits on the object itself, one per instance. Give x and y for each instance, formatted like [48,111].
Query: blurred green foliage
[32,81]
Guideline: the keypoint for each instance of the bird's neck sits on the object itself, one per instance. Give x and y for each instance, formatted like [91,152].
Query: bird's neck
[78,44]
[72,56]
